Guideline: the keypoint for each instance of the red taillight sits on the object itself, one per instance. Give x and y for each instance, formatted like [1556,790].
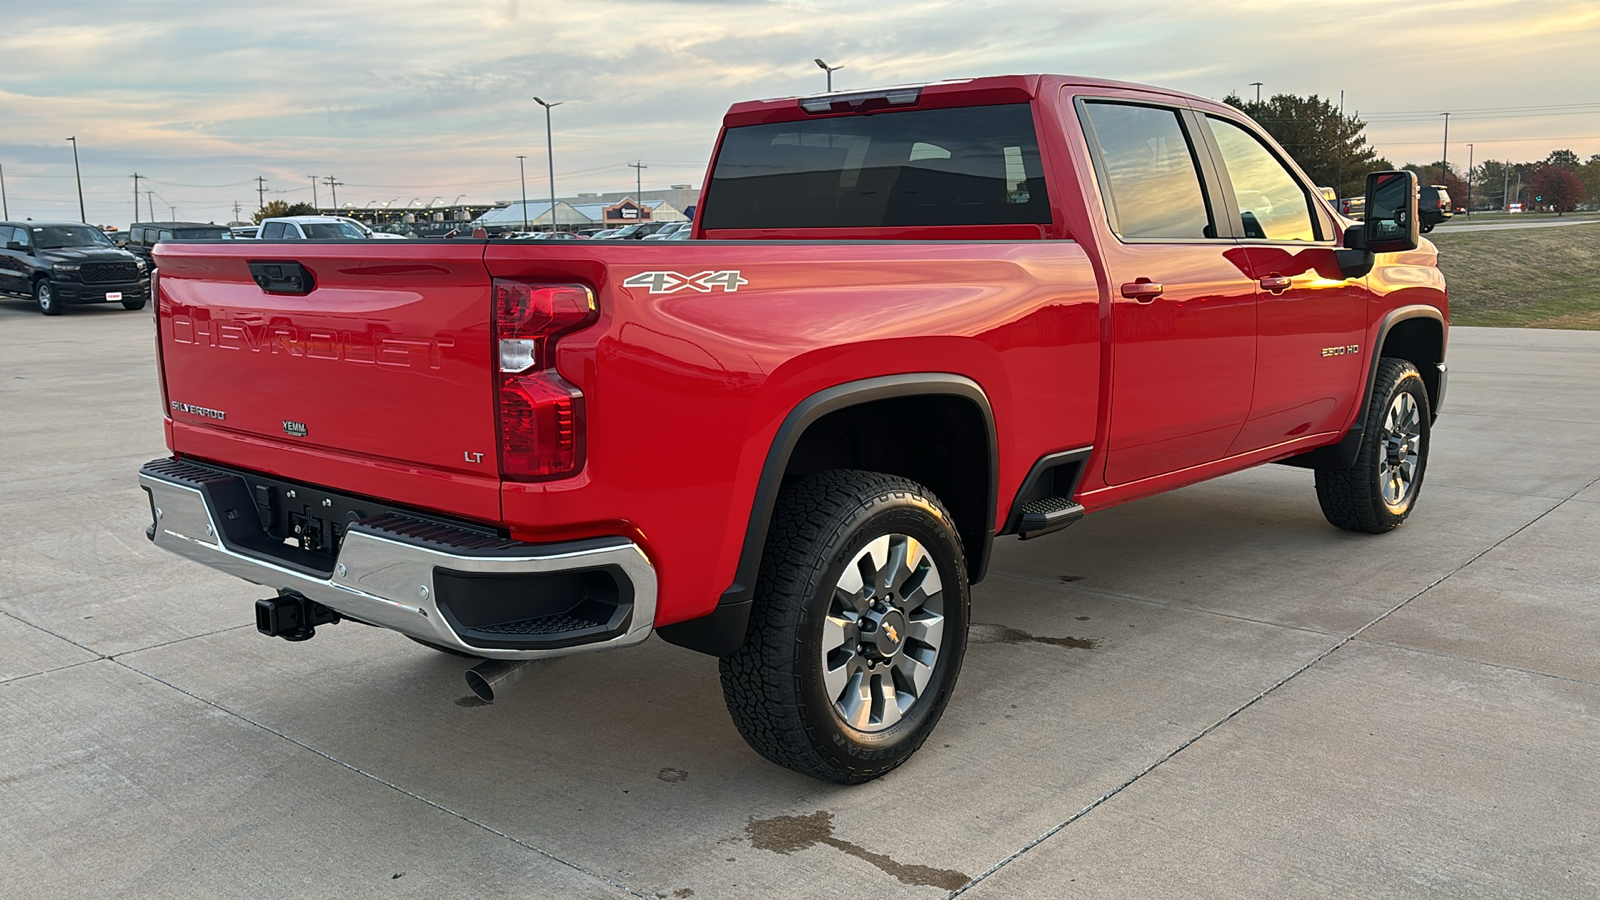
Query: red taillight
[541,415]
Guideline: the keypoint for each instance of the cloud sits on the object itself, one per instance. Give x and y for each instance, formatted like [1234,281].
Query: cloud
[421,95]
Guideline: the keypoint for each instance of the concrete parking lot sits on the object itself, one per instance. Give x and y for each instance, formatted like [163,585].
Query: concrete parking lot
[1205,694]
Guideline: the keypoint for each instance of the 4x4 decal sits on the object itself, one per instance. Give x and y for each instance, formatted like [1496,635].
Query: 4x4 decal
[672,282]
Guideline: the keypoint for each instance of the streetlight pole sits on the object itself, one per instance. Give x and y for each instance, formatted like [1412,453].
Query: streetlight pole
[1257,86]
[830,70]
[314,204]
[1444,162]
[136,177]
[1469,181]
[523,174]
[549,152]
[82,216]
[5,208]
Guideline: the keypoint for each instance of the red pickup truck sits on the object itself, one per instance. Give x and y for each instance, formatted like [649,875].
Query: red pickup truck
[912,320]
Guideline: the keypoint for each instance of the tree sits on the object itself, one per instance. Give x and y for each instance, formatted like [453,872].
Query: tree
[1330,147]
[1566,159]
[1589,174]
[277,209]
[1556,187]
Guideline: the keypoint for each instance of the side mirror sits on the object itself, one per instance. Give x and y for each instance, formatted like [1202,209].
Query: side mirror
[16,246]
[1391,223]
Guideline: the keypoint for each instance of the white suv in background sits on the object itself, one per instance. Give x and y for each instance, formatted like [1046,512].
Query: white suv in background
[319,228]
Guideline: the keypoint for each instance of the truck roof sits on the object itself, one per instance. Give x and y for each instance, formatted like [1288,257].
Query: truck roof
[930,95]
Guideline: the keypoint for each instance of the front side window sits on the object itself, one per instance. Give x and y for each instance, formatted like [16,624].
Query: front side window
[966,166]
[1272,204]
[1148,173]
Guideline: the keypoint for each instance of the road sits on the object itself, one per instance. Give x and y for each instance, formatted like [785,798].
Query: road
[1209,693]
[1461,223]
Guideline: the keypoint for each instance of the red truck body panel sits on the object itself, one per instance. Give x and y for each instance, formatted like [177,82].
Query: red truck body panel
[390,367]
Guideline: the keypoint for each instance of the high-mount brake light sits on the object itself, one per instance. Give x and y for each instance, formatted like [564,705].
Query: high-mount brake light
[541,415]
[856,100]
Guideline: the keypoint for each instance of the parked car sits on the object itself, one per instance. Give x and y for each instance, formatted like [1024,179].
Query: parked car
[666,231]
[604,233]
[244,232]
[637,231]
[143,236]
[1014,301]
[1433,206]
[63,263]
[319,228]
[1353,207]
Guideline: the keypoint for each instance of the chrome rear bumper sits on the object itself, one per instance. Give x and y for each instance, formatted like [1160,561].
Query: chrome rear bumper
[384,573]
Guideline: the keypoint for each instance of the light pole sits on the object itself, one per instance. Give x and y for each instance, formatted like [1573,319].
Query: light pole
[638,180]
[1469,181]
[136,177]
[314,204]
[1257,86]
[1444,162]
[522,173]
[5,209]
[549,152]
[830,70]
[82,216]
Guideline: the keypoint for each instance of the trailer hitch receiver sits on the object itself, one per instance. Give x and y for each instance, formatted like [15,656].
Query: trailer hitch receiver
[292,616]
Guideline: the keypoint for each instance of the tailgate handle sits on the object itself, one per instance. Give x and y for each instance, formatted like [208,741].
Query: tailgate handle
[282,277]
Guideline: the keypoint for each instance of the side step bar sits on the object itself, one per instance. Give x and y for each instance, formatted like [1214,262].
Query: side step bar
[1049,514]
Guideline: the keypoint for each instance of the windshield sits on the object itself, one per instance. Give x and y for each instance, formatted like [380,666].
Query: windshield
[56,237]
[318,231]
[201,234]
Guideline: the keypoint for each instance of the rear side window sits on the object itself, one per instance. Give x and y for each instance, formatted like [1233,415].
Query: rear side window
[1272,204]
[200,234]
[1148,173]
[272,231]
[969,166]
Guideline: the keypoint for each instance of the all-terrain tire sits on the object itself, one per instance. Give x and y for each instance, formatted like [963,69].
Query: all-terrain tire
[830,578]
[132,305]
[1379,490]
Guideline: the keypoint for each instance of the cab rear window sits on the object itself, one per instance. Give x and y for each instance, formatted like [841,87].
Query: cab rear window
[968,166]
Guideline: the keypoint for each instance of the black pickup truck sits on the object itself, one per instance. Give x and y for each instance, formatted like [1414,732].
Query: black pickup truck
[60,263]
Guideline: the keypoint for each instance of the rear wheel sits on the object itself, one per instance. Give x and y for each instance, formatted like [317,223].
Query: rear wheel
[44,294]
[858,629]
[1377,493]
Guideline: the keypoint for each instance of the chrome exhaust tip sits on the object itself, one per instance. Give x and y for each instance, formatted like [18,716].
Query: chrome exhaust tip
[496,674]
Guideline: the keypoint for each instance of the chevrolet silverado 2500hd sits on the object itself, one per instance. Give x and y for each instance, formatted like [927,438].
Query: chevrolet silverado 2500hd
[913,320]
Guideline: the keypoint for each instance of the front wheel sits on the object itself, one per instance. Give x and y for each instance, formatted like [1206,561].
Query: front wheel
[1377,493]
[858,628]
[131,305]
[44,294]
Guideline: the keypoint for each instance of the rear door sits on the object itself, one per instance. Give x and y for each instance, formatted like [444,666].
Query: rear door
[1183,318]
[377,380]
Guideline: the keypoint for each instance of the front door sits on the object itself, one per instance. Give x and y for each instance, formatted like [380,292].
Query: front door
[1311,318]
[1183,312]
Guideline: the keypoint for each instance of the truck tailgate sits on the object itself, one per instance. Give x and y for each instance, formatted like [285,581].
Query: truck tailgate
[378,380]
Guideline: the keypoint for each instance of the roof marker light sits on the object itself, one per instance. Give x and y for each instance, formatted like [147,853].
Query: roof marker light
[822,103]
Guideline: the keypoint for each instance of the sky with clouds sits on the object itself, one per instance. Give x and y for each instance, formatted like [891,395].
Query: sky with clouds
[408,101]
